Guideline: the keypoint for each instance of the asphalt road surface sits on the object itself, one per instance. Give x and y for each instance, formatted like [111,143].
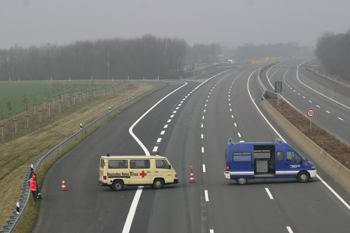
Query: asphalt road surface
[193,125]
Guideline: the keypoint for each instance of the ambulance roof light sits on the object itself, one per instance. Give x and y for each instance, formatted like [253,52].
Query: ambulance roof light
[230,141]
[107,154]
[157,152]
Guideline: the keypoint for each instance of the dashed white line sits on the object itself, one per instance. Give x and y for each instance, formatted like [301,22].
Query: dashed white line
[201,125]
[303,97]
[328,111]
[206,101]
[269,193]
[235,124]
[206,195]
[289,229]
[318,106]
[159,140]
[298,93]
[229,100]
[310,101]
[340,118]
[204,168]
[202,149]
[174,112]
[179,105]
[163,132]
[204,110]
[155,149]
[165,126]
[230,109]
[211,231]
[239,135]
[169,121]
[177,108]
[203,117]
[205,105]
[229,104]
[202,136]
[171,116]
[232,116]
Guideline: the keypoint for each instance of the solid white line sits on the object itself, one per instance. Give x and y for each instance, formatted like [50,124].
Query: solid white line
[169,121]
[163,132]
[335,194]
[132,210]
[165,126]
[155,149]
[206,195]
[202,149]
[289,229]
[159,140]
[340,118]
[268,193]
[204,168]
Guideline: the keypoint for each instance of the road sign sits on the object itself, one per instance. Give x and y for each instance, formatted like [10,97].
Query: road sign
[311,112]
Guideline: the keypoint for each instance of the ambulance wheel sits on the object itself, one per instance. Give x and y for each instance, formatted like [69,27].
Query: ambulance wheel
[117,185]
[158,183]
[303,177]
[241,180]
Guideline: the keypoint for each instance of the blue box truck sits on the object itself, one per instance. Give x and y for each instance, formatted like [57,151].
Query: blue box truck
[263,160]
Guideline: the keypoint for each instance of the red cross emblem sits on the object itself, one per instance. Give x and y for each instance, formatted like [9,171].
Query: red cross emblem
[143,174]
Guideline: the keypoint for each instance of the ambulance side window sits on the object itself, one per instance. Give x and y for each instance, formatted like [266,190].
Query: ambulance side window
[280,156]
[117,164]
[102,163]
[139,164]
[162,164]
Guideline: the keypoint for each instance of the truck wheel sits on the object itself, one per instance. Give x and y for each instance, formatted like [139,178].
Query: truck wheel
[303,177]
[158,183]
[242,180]
[117,185]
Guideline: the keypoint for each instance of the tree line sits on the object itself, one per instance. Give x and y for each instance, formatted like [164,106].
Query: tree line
[333,50]
[147,57]
[250,51]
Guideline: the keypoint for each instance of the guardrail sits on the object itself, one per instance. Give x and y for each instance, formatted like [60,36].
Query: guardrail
[332,80]
[265,93]
[16,215]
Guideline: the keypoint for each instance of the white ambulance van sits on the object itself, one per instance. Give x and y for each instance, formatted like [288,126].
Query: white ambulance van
[117,171]
[265,160]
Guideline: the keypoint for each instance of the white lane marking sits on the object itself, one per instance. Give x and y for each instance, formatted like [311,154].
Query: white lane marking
[155,149]
[174,112]
[159,140]
[319,177]
[303,97]
[340,118]
[208,96]
[169,121]
[235,124]
[205,105]
[163,132]
[289,229]
[232,116]
[298,93]
[328,111]
[269,193]
[181,101]
[211,231]
[202,149]
[295,91]
[310,101]
[204,168]
[206,101]
[179,105]
[132,210]
[228,96]
[177,108]
[203,117]
[345,106]
[165,126]
[201,125]
[229,104]
[230,109]
[229,100]
[239,135]
[318,106]
[171,116]
[202,136]
[335,194]
[206,195]
[204,110]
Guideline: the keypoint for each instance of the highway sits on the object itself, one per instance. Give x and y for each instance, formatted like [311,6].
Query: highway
[191,127]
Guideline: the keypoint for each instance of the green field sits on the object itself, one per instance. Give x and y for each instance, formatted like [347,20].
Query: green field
[35,92]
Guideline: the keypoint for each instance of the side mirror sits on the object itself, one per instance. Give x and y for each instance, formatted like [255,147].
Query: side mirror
[169,166]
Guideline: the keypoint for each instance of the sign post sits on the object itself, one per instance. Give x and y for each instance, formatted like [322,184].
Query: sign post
[310,113]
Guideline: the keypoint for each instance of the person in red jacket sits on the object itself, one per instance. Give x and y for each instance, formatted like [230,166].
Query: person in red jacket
[33,187]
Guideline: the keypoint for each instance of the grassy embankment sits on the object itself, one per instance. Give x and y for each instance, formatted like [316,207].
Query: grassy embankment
[16,155]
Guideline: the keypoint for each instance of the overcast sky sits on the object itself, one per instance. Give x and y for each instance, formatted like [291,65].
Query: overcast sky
[228,22]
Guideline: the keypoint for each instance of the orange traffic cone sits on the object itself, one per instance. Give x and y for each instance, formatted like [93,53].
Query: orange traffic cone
[191,178]
[63,185]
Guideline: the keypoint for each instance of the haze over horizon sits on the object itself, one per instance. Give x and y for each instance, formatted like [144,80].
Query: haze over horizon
[227,22]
